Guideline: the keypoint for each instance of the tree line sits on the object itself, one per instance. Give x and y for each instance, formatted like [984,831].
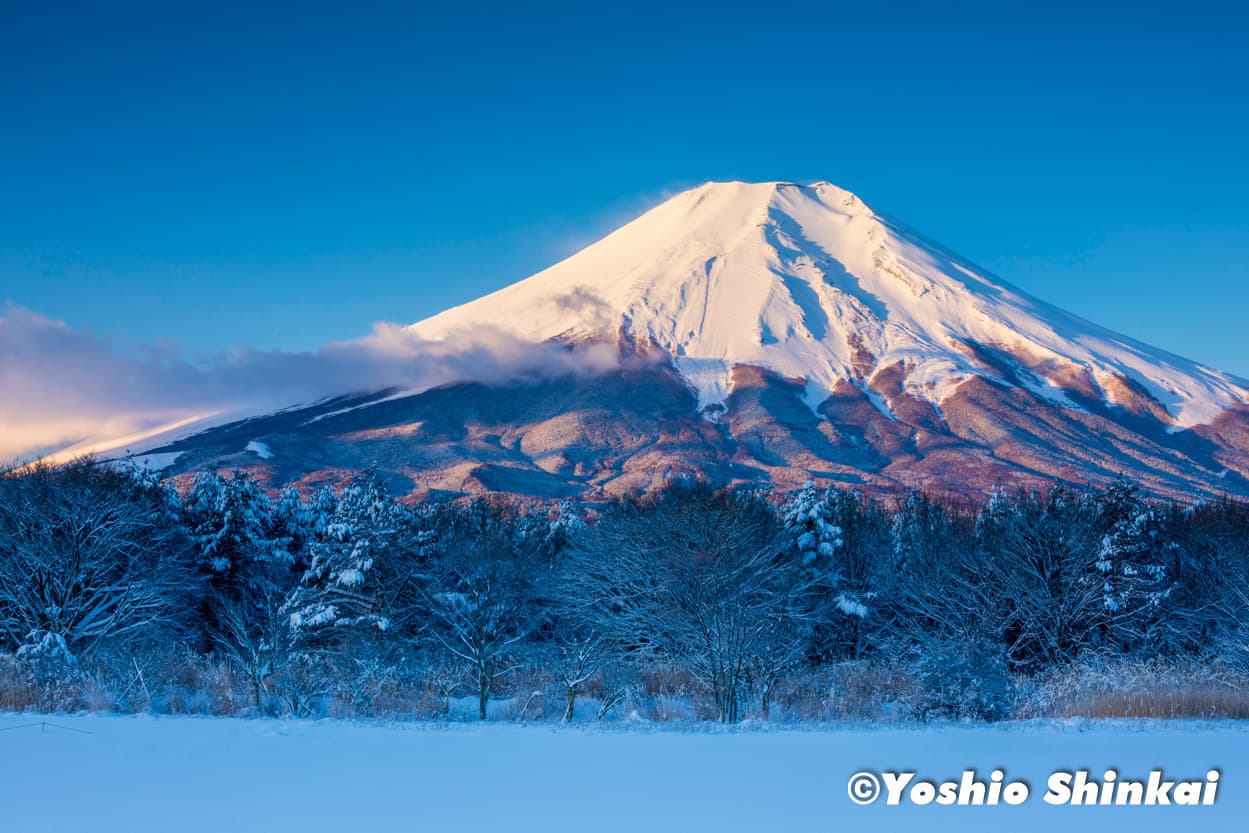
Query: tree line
[736,598]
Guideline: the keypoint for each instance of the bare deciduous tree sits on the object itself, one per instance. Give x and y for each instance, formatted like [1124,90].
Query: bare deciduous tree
[1039,551]
[255,636]
[89,553]
[696,578]
[479,607]
[576,655]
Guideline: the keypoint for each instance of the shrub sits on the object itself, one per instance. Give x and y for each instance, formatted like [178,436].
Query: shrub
[966,680]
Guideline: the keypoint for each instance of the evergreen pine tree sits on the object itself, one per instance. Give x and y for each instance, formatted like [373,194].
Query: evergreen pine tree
[1130,564]
[336,591]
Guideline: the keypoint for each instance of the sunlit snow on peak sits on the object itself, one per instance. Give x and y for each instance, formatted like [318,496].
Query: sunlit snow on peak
[808,281]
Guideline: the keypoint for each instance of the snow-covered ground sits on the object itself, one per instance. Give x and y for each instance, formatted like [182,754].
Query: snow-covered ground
[260,449]
[186,775]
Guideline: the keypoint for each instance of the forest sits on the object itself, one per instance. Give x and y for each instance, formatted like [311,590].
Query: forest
[692,603]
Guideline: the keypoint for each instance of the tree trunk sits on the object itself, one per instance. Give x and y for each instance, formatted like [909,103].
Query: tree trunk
[571,691]
[726,702]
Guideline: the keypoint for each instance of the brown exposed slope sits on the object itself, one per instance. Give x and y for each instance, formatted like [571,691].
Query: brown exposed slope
[615,433]
[593,437]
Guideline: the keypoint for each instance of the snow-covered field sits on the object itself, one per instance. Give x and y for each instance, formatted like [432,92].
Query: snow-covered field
[183,775]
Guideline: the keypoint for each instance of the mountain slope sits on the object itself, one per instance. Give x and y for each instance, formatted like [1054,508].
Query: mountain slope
[809,282]
[776,332]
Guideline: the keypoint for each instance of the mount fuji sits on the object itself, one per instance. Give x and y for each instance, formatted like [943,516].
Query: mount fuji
[771,333]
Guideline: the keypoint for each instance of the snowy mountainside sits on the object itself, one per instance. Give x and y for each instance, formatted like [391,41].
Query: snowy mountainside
[811,283]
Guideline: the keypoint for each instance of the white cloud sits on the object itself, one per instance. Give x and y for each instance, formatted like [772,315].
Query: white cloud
[65,389]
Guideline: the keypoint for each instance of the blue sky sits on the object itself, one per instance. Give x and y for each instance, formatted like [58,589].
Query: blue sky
[286,175]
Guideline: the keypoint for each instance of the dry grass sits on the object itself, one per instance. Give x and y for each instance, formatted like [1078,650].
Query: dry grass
[1138,689]
[1197,701]
[18,691]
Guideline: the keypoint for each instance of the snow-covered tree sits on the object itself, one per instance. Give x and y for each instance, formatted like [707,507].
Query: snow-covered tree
[336,591]
[1130,563]
[921,529]
[838,577]
[550,529]
[231,523]
[564,523]
[576,654]
[1038,551]
[933,583]
[294,526]
[249,547]
[481,600]
[864,534]
[699,579]
[806,520]
[89,555]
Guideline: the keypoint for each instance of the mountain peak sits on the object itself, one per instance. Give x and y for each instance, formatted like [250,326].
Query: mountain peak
[760,193]
[808,282]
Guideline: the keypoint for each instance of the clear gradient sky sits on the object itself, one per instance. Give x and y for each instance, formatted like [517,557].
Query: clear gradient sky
[286,175]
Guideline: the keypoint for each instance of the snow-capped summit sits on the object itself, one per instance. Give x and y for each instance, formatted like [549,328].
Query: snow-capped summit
[808,281]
